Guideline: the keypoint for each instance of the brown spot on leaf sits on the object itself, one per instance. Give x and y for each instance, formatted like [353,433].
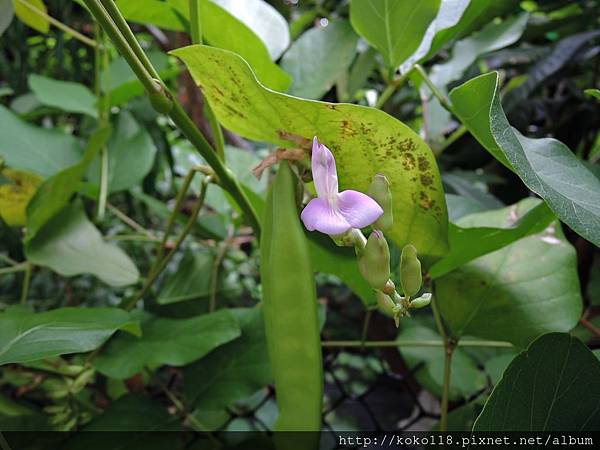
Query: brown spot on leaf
[423,164]
[408,161]
[426,179]
[299,141]
[425,201]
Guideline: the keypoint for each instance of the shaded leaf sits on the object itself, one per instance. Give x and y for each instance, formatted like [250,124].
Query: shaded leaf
[175,342]
[8,12]
[27,336]
[593,93]
[233,371]
[70,245]
[319,57]
[394,27]
[364,140]
[64,95]
[546,166]
[467,244]
[552,386]
[131,153]
[190,281]
[501,296]
[30,18]
[40,150]
[55,192]
[466,378]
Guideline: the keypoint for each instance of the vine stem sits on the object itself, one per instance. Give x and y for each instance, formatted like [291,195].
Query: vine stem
[61,26]
[176,112]
[434,89]
[26,282]
[156,271]
[391,88]
[20,267]
[456,135]
[414,343]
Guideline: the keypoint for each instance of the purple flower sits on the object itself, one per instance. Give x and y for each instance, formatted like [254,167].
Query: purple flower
[334,212]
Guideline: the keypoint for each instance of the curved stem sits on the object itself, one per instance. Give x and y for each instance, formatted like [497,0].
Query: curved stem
[434,89]
[26,283]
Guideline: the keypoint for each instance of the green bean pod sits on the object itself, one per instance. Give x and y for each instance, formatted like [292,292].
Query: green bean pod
[290,309]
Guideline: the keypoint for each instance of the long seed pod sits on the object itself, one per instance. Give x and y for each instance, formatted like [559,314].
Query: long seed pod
[290,310]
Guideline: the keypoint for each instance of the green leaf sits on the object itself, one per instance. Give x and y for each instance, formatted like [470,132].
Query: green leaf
[477,14]
[258,15]
[467,244]
[40,150]
[131,153]
[64,95]
[54,193]
[593,93]
[546,166]
[190,281]
[328,258]
[494,36]
[27,336]
[175,342]
[394,27]
[233,371]
[238,37]
[466,377]
[448,16]
[8,12]
[319,57]
[517,293]
[70,245]
[29,17]
[364,140]
[552,386]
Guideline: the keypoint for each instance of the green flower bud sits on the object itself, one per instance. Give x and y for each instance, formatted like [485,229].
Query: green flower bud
[421,302]
[385,303]
[410,271]
[380,192]
[374,261]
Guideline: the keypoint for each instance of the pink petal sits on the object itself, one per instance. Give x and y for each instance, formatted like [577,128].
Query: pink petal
[319,215]
[358,209]
[323,170]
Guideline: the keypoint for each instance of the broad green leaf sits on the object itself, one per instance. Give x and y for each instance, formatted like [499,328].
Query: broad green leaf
[175,342]
[494,36]
[517,293]
[360,71]
[70,245]
[134,421]
[552,386]
[364,140]
[319,57]
[233,371]
[190,281]
[466,377]
[448,15]
[55,192]
[15,195]
[8,12]
[219,28]
[39,150]
[258,15]
[546,166]
[394,27]
[478,14]
[328,258]
[131,153]
[64,95]
[459,206]
[593,93]
[25,11]
[467,244]
[27,336]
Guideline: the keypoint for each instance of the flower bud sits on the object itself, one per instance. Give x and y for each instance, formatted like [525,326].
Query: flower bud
[374,261]
[380,192]
[410,271]
[421,302]
[385,303]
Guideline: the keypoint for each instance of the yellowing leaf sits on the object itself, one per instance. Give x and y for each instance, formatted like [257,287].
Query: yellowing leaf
[28,11]
[15,195]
